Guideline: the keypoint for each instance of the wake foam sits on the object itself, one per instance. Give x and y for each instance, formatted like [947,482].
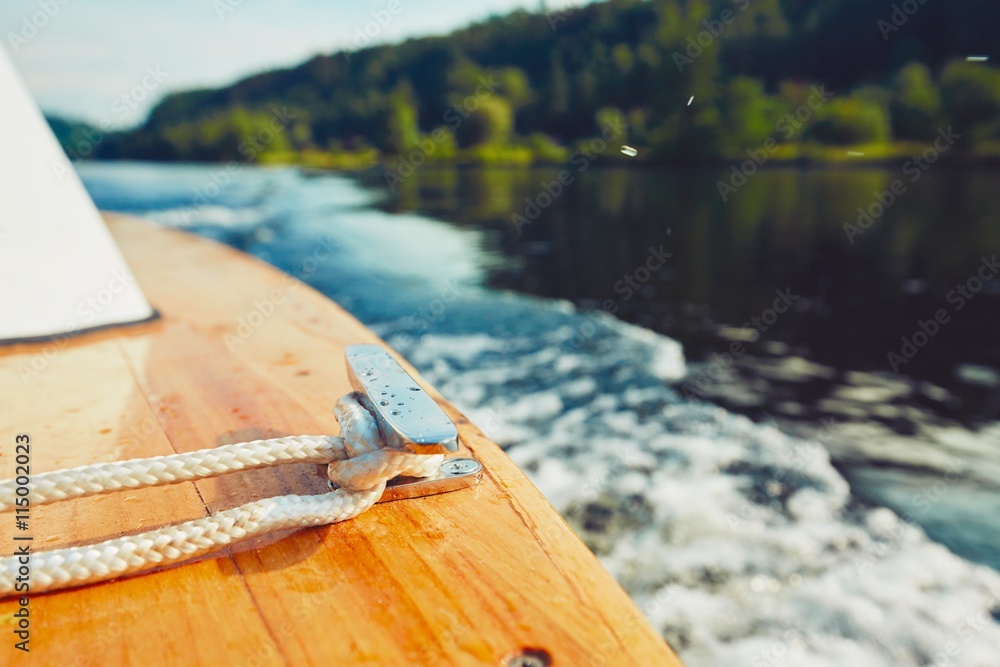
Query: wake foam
[742,545]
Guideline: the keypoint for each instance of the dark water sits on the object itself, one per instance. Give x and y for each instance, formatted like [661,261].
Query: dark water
[825,363]
[784,230]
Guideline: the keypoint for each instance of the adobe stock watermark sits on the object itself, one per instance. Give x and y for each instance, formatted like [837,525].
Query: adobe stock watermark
[121,107]
[106,637]
[966,630]
[914,168]
[923,500]
[302,608]
[225,7]
[787,126]
[777,651]
[88,310]
[248,324]
[251,147]
[633,282]
[430,313]
[596,484]
[408,164]
[626,287]
[126,103]
[263,309]
[453,117]
[713,30]
[551,190]
[558,12]
[635,623]
[797,462]
[32,25]
[958,298]
[695,386]
[364,35]
[901,13]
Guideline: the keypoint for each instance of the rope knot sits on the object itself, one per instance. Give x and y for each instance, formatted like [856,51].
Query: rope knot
[361,465]
[370,462]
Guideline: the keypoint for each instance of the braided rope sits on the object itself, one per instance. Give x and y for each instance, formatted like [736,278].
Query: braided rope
[360,464]
[173,469]
[62,568]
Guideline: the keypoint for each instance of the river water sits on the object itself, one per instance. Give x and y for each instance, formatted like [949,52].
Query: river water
[705,389]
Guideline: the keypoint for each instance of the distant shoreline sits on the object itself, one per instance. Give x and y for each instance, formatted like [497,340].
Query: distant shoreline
[838,159]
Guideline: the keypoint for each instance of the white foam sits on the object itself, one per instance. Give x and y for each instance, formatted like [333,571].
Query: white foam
[745,548]
[210,215]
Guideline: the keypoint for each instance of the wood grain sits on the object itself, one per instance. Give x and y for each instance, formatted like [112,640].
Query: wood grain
[464,578]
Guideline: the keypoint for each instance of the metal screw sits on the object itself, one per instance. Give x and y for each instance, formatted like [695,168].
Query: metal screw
[458,467]
[528,658]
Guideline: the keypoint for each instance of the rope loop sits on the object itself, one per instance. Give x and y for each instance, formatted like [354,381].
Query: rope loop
[371,461]
[359,464]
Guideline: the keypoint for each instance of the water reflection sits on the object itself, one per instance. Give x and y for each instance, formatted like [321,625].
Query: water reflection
[861,289]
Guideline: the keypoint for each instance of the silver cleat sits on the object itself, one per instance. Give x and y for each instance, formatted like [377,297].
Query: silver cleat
[409,419]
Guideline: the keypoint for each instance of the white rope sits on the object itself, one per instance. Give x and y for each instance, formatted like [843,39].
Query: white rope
[160,470]
[360,464]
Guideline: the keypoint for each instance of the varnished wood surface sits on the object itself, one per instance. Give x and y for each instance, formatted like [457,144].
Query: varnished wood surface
[464,578]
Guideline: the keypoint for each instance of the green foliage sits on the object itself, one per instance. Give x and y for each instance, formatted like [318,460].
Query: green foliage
[970,96]
[520,86]
[622,56]
[402,131]
[612,120]
[515,87]
[986,136]
[78,140]
[487,153]
[445,146]
[916,104]
[544,149]
[857,119]
[239,135]
[463,77]
[750,115]
[490,122]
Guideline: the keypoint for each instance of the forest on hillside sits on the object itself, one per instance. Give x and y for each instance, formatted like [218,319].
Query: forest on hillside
[678,80]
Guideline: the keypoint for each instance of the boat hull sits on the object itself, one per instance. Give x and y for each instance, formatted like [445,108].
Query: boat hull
[242,351]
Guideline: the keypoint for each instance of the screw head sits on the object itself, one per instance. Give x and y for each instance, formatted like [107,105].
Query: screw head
[459,466]
[528,657]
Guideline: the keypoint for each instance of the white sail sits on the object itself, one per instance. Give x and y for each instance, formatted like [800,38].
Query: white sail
[60,270]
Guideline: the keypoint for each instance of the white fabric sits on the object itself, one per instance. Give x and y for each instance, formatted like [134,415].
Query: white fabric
[60,269]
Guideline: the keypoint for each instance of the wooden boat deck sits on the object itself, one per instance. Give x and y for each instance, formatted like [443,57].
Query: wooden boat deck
[464,578]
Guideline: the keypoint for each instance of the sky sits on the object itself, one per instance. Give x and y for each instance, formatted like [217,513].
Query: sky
[109,61]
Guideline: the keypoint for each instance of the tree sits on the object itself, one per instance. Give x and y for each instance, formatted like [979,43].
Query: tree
[515,87]
[749,114]
[970,95]
[403,134]
[858,119]
[489,123]
[647,58]
[613,121]
[916,104]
